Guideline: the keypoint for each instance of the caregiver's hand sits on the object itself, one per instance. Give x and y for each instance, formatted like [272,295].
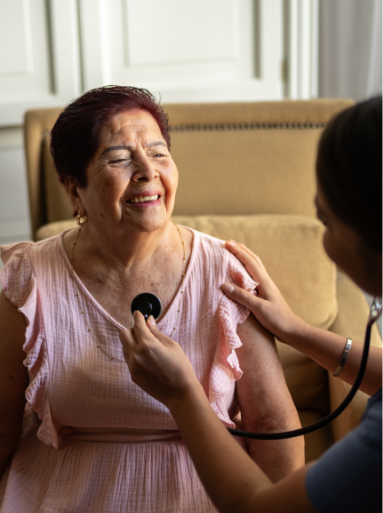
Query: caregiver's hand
[268,306]
[157,363]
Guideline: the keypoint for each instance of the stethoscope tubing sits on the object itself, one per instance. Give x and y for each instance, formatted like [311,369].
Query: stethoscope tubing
[148,299]
[329,418]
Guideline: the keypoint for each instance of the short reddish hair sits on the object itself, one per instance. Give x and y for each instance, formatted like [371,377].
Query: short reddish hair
[75,135]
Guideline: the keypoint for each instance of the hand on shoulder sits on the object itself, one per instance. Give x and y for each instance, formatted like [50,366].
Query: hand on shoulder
[268,305]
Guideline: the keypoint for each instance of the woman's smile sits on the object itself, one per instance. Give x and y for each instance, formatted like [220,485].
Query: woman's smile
[145,199]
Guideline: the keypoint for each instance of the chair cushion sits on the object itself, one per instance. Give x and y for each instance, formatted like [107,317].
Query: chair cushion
[52,229]
[241,172]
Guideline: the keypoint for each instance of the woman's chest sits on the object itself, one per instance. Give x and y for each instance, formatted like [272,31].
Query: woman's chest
[116,293]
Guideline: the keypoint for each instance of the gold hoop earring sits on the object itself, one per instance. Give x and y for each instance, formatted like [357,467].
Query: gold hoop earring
[81,220]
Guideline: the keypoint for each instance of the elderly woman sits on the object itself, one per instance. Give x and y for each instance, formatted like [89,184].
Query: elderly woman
[88,438]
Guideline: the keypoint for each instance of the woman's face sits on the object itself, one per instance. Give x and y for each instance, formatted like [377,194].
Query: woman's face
[132,179]
[344,246]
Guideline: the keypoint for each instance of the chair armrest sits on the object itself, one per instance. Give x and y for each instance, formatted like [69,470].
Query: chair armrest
[351,322]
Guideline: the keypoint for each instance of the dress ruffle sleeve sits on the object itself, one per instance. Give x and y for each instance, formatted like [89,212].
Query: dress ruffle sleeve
[226,370]
[18,281]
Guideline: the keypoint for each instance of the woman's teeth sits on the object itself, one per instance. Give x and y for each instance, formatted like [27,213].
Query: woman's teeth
[141,199]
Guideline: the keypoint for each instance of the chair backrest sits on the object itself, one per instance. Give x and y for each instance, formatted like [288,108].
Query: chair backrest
[233,158]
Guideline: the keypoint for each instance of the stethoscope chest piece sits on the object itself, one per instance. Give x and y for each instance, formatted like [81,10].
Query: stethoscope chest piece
[148,304]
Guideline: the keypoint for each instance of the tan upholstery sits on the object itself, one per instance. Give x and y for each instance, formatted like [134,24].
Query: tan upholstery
[246,172]
[57,201]
[36,124]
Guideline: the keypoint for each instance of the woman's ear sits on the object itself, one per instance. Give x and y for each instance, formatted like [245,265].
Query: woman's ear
[71,187]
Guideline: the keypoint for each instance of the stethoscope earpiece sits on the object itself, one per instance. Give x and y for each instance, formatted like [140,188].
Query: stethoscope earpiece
[148,304]
[375,310]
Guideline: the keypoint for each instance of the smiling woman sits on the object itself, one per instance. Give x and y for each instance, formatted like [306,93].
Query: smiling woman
[91,439]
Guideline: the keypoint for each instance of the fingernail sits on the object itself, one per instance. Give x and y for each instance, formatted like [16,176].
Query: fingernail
[228,288]
[152,320]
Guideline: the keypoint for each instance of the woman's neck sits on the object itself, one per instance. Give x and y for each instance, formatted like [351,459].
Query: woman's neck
[115,275]
[128,249]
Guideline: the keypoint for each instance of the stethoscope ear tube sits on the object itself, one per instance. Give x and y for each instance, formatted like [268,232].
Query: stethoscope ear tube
[375,311]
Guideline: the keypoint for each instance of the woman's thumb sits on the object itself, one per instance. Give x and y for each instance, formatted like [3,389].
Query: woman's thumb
[151,324]
[239,295]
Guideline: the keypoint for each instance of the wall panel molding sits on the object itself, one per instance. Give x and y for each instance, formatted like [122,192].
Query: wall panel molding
[51,74]
[231,57]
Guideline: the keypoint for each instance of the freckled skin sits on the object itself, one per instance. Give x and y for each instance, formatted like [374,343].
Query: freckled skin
[124,249]
[112,176]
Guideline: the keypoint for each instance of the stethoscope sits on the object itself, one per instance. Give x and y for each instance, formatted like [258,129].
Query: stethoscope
[149,304]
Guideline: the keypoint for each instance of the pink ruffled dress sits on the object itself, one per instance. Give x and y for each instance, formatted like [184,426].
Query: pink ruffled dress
[92,440]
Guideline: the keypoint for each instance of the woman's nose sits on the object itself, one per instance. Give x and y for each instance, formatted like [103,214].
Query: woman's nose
[144,170]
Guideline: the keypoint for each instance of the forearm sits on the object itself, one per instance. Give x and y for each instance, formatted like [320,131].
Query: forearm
[278,458]
[326,348]
[230,477]
[266,403]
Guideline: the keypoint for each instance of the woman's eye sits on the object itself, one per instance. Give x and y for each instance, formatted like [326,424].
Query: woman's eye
[118,160]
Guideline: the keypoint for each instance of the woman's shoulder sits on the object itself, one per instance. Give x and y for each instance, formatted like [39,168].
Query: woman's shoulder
[209,245]
[25,248]
[16,249]
[218,260]
[27,258]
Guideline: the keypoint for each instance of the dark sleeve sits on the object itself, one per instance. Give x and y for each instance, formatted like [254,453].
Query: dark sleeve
[348,477]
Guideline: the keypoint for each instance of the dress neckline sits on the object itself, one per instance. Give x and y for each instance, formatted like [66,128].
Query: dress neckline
[161,324]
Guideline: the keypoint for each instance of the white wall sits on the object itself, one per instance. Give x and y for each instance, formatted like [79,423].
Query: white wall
[39,67]
[206,50]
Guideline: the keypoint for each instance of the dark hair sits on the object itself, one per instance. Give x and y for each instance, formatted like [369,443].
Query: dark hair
[75,135]
[349,169]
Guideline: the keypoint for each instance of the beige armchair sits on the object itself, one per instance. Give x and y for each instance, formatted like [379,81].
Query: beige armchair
[247,173]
